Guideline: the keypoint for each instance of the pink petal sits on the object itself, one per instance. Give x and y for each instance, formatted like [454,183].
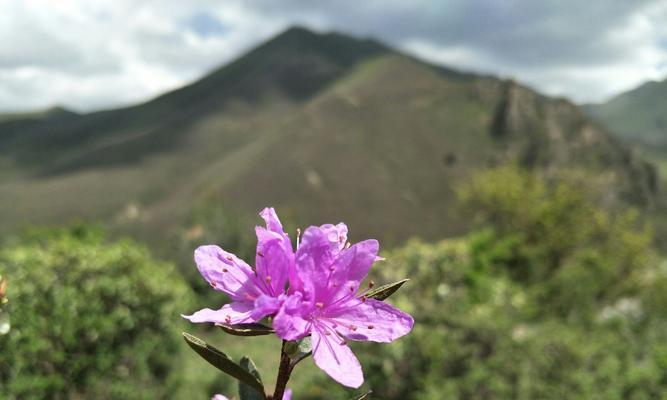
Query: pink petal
[354,263]
[288,394]
[275,256]
[336,359]
[371,320]
[225,272]
[266,305]
[313,261]
[289,323]
[271,218]
[219,397]
[349,269]
[274,260]
[234,313]
[337,235]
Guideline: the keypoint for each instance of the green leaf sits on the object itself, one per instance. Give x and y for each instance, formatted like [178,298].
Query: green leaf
[363,396]
[384,291]
[305,345]
[245,391]
[247,329]
[298,351]
[225,364]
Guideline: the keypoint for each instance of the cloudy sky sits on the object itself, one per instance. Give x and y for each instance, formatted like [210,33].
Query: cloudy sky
[94,54]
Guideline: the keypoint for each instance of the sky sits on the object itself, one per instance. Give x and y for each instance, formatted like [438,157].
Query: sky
[89,55]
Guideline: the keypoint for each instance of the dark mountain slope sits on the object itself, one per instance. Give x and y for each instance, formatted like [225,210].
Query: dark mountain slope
[324,127]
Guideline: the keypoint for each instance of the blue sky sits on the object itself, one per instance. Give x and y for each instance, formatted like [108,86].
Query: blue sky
[105,53]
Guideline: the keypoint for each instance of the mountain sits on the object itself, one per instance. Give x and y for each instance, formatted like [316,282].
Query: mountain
[639,115]
[325,127]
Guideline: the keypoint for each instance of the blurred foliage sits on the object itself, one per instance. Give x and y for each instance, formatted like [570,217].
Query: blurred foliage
[90,319]
[555,297]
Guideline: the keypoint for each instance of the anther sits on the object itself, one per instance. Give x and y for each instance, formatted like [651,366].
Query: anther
[259,253]
[351,288]
[213,284]
[347,246]
[268,279]
[327,333]
[225,270]
[352,327]
[371,284]
[228,319]
[319,305]
[229,258]
[343,343]
[370,327]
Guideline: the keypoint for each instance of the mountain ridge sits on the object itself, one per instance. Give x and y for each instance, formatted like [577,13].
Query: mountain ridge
[322,126]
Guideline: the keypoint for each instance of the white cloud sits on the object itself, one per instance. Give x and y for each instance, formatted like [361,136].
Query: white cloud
[88,55]
[103,53]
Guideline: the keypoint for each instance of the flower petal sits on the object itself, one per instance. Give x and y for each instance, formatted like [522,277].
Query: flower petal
[288,394]
[336,359]
[354,263]
[337,235]
[230,314]
[271,218]
[371,320]
[348,270]
[275,256]
[289,323]
[225,272]
[266,305]
[275,259]
[219,397]
[313,261]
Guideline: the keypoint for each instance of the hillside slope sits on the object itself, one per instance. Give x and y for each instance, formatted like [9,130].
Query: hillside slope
[324,127]
[639,115]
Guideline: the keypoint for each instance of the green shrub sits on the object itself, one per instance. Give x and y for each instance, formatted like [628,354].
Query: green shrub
[90,319]
[557,297]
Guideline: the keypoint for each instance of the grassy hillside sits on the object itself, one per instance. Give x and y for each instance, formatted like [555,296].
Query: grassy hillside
[640,117]
[324,127]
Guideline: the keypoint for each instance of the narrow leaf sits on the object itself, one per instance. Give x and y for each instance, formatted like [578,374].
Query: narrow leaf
[221,361]
[245,391]
[247,329]
[363,396]
[384,291]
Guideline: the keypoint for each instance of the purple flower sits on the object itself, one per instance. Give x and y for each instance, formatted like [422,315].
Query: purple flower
[324,302]
[254,293]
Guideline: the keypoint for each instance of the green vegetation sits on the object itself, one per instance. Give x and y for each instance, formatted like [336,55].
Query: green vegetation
[90,319]
[556,293]
[555,299]
[637,115]
[553,296]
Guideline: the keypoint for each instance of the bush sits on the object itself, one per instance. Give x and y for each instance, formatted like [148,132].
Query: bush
[556,297]
[90,319]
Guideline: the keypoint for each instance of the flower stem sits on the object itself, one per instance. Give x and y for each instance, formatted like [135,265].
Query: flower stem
[284,372]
